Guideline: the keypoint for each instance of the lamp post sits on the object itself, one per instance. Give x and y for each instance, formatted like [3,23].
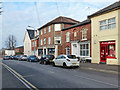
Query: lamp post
[34,38]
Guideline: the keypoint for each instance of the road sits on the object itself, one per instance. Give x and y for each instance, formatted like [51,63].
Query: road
[47,76]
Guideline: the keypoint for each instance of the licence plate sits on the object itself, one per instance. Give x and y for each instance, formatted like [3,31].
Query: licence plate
[51,60]
[73,63]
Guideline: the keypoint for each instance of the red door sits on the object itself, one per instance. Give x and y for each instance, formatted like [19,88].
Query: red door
[103,53]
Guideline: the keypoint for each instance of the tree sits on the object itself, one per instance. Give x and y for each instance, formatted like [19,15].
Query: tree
[11,42]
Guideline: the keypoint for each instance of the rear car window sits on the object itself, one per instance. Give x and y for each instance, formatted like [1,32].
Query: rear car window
[71,56]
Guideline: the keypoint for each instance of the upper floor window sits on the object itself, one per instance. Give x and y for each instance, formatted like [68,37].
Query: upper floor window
[108,24]
[44,40]
[49,40]
[49,28]
[57,40]
[41,31]
[84,33]
[67,37]
[57,27]
[44,30]
[75,34]
[41,42]
[35,43]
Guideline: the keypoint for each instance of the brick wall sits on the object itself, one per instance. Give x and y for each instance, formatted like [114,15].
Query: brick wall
[74,37]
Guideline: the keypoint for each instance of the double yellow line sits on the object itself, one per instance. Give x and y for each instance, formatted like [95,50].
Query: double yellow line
[20,76]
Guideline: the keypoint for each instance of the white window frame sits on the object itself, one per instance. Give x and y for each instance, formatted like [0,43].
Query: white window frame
[44,40]
[49,40]
[41,32]
[106,24]
[49,28]
[35,43]
[41,42]
[84,30]
[85,49]
[44,30]
[57,39]
[68,37]
[57,27]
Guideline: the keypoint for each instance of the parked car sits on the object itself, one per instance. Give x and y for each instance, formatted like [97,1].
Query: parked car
[6,57]
[23,58]
[17,57]
[46,59]
[66,61]
[33,58]
[13,57]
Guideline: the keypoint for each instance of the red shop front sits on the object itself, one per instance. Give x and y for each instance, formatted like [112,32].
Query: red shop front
[107,50]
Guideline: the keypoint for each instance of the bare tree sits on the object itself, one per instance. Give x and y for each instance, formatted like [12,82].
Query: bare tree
[11,42]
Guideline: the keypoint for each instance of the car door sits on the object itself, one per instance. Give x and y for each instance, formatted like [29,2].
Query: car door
[62,59]
[57,60]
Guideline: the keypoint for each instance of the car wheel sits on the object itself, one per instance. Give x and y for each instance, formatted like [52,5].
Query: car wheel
[45,62]
[64,65]
[53,64]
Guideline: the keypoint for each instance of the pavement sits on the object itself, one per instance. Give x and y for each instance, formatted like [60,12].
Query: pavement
[47,76]
[101,67]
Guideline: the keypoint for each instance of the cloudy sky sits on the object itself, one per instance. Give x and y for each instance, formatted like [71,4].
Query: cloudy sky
[17,15]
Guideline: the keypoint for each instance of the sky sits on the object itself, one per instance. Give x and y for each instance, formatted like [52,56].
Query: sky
[18,15]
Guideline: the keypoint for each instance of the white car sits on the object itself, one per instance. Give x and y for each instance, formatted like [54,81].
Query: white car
[66,61]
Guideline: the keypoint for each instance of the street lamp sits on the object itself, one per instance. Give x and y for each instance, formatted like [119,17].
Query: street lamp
[34,38]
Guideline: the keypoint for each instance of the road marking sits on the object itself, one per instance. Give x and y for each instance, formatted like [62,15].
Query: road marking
[24,81]
[28,76]
[97,81]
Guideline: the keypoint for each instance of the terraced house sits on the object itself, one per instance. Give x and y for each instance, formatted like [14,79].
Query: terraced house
[50,35]
[106,35]
[77,40]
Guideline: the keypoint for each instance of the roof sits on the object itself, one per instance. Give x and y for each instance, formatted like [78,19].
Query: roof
[109,8]
[79,24]
[60,19]
[31,33]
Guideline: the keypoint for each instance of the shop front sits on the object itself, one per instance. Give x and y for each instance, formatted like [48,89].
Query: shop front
[107,51]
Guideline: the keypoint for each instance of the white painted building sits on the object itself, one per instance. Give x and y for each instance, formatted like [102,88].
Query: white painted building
[29,34]
[10,52]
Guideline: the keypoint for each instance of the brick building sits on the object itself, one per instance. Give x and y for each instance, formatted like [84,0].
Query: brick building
[34,44]
[19,49]
[76,39]
[50,35]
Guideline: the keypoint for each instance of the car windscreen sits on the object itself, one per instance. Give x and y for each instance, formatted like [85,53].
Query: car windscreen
[71,56]
[50,56]
[24,56]
[6,56]
[33,56]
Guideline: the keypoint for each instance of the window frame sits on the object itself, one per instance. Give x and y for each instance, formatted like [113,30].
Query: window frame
[45,30]
[68,36]
[85,49]
[107,23]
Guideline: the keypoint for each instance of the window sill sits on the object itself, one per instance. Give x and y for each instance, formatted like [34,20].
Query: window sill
[84,39]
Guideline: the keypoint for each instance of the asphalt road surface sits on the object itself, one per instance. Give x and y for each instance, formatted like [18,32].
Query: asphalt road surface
[23,74]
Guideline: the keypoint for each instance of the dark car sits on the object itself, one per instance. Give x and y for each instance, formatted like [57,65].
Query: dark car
[23,58]
[46,59]
[33,58]
[6,57]
[17,57]
[13,57]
